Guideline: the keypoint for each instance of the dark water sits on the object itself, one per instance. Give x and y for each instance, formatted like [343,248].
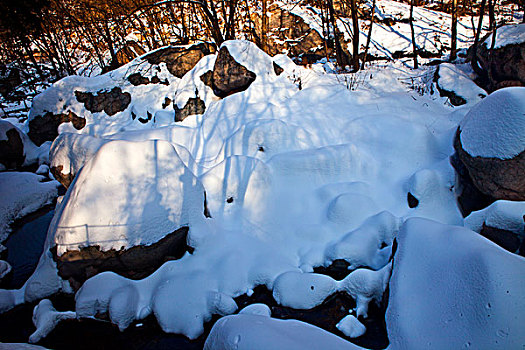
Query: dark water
[25,245]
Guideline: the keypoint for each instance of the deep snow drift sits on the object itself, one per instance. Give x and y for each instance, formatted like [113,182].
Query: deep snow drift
[298,171]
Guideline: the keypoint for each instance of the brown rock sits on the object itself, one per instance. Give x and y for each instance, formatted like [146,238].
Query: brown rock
[494,177]
[179,59]
[111,102]
[504,66]
[193,106]
[64,179]
[229,76]
[12,150]
[277,69]
[45,128]
[135,263]
[137,79]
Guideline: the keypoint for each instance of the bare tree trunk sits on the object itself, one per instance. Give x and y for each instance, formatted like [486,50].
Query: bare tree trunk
[474,62]
[368,38]
[414,45]
[355,39]
[492,20]
[264,25]
[454,36]
[339,54]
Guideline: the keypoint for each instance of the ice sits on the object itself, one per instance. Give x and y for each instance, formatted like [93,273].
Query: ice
[495,127]
[452,288]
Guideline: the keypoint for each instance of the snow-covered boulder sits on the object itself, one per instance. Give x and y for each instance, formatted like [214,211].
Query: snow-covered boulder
[456,83]
[490,142]
[505,63]
[452,288]
[129,194]
[16,149]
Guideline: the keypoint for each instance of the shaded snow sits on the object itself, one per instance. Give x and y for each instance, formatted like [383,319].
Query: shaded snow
[507,35]
[506,215]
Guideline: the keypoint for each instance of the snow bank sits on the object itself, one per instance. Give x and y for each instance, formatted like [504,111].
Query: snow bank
[129,193]
[22,194]
[507,35]
[261,332]
[458,78]
[452,288]
[495,127]
[45,319]
[506,215]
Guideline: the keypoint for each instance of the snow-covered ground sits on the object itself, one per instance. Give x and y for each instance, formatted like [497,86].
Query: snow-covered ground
[299,170]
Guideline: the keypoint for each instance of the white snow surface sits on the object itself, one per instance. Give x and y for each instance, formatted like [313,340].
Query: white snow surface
[452,288]
[458,78]
[22,194]
[506,215]
[351,327]
[495,127]
[507,35]
[45,319]
[253,332]
[294,179]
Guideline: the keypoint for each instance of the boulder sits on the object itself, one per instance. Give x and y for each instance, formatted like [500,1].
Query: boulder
[111,102]
[137,262]
[12,154]
[179,59]
[229,76]
[490,142]
[44,128]
[504,65]
[193,106]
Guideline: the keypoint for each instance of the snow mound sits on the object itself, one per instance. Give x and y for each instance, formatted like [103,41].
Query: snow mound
[506,215]
[351,327]
[22,194]
[458,79]
[495,127]
[507,35]
[45,319]
[129,193]
[252,332]
[452,288]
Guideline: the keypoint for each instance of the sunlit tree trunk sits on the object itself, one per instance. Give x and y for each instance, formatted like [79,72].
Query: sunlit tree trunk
[454,36]
[369,37]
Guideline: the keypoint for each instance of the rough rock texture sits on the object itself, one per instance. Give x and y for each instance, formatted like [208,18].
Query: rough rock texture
[229,76]
[45,128]
[179,59]
[468,196]
[137,79]
[111,102]
[135,263]
[12,150]
[64,179]
[193,106]
[277,69]
[497,178]
[504,66]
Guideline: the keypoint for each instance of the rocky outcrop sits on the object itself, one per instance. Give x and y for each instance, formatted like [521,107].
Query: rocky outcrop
[494,177]
[193,106]
[136,263]
[11,146]
[228,76]
[137,79]
[111,102]
[502,66]
[179,59]
[44,128]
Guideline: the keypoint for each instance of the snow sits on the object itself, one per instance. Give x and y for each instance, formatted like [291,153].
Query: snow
[452,288]
[495,127]
[135,178]
[351,327]
[22,194]
[45,319]
[506,215]
[5,268]
[261,332]
[20,346]
[294,179]
[458,78]
[507,35]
